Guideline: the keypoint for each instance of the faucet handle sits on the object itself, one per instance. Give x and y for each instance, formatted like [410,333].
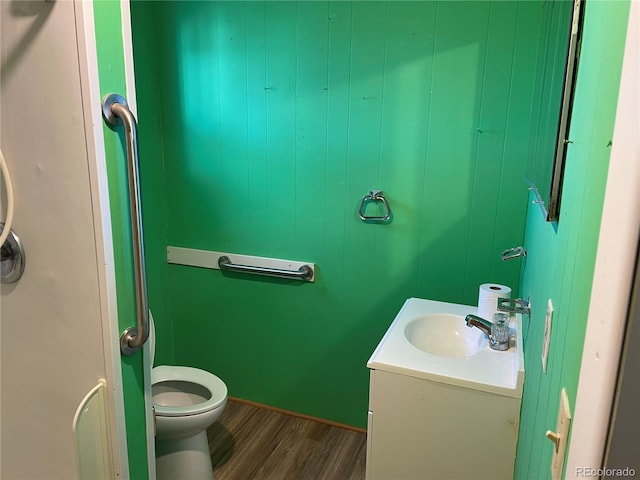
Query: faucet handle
[500,329]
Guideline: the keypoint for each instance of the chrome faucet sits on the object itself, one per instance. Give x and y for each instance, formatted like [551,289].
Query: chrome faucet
[475,321]
[498,337]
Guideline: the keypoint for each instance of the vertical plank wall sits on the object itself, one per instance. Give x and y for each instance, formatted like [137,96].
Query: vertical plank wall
[561,258]
[268,122]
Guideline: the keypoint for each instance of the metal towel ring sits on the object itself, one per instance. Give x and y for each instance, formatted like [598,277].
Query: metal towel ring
[374,196]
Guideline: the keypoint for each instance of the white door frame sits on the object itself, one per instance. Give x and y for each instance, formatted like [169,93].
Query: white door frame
[96,147]
[95,142]
[613,274]
[102,223]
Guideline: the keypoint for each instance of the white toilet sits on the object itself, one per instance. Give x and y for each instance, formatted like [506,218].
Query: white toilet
[186,401]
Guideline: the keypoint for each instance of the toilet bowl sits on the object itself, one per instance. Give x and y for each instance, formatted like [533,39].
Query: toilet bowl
[186,402]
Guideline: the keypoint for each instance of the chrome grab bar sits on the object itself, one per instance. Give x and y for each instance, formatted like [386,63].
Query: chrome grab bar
[374,196]
[304,273]
[114,111]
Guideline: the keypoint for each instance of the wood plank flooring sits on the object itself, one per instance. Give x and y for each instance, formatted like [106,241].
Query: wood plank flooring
[252,443]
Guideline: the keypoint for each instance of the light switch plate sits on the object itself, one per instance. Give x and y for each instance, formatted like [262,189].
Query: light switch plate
[547,335]
[560,436]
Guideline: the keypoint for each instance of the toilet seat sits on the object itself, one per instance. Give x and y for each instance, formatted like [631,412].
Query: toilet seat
[215,386]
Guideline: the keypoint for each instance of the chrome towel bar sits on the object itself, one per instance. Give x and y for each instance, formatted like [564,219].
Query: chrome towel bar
[115,111]
[304,273]
[374,196]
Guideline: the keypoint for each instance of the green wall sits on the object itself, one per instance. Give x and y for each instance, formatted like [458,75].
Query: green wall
[561,257]
[153,181]
[266,124]
[108,30]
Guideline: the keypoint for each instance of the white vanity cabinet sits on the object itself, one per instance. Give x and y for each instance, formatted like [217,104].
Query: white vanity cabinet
[420,429]
[444,415]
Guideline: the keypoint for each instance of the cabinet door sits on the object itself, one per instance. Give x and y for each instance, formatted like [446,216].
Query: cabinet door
[424,429]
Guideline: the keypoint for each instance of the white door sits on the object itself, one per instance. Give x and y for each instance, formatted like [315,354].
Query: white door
[56,333]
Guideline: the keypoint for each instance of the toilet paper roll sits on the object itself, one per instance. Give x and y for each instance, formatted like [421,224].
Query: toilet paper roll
[488,299]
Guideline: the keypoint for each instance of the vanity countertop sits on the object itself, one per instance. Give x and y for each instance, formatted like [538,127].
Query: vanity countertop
[500,372]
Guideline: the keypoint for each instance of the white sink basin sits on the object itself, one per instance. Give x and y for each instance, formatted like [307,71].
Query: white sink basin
[445,335]
[429,340]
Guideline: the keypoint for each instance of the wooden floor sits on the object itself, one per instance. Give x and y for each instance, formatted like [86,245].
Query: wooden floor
[252,443]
